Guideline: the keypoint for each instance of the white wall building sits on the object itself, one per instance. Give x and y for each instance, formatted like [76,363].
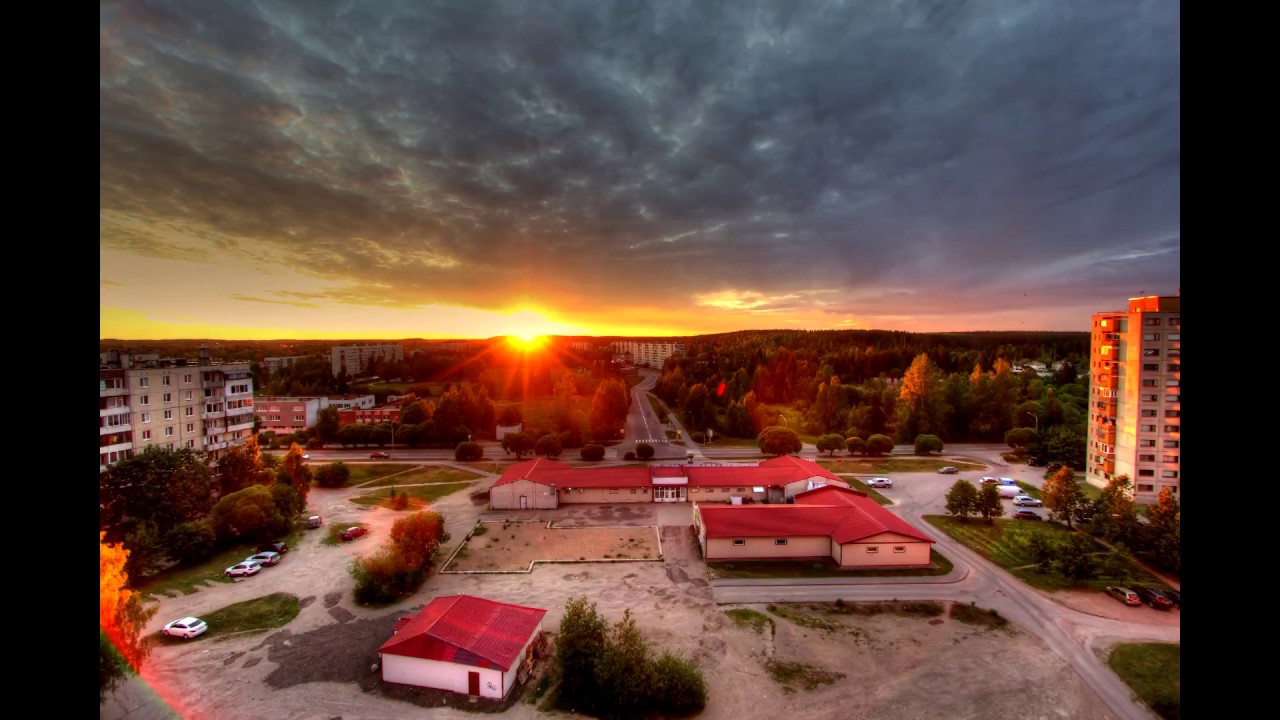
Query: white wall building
[355,358]
[651,353]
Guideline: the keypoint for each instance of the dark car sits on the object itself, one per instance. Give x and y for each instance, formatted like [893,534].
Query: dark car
[1035,462]
[1025,515]
[380,456]
[1154,597]
[1053,467]
[352,533]
[278,547]
[1173,595]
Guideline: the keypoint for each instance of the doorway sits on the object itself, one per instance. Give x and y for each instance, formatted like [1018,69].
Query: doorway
[473,683]
[524,502]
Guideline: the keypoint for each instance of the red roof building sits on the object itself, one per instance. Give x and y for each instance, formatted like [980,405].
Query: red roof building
[463,644]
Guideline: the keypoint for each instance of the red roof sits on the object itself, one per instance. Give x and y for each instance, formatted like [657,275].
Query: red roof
[845,515]
[467,630]
[778,471]
[523,470]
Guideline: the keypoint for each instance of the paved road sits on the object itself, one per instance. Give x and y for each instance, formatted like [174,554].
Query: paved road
[643,424]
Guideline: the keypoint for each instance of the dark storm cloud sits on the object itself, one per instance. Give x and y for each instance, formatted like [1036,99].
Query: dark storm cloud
[860,157]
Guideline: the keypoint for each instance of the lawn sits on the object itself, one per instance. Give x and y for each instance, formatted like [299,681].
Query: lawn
[890,465]
[258,615]
[998,543]
[659,407]
[752,569]
[334,535]
[1153,672]
[746,618]
[871,492]
[425,494]
[186,580]
[1029,489]
[634,380]
[790,418]
[424,475]
[364,473]
[1091,492]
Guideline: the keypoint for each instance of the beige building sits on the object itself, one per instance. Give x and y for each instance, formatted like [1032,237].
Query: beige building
[145,400]
[1134,402]
[651,353]
[355,358]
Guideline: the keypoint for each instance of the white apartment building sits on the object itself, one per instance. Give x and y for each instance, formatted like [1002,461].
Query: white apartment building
[272,364]
[355,358]
[145,400]
[1134,400]
[651,353]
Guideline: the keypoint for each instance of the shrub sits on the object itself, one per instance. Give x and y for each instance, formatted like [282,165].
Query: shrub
[384,577]
[926,444]
[681,689]
[629,456]
[250,513]
[191,542]
[333,475]
[468,452]
[879,445]
[592,452]
[548,446]
[399,502]
[856,445]
[698,436]
[644,451]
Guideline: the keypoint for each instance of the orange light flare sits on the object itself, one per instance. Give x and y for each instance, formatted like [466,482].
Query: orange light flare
[527,343]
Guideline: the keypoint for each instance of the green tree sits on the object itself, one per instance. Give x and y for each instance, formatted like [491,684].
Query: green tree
[249,514]
[1075,558]
[989,505]
[1020,438]
[287,500]
[592,452]
[644,451]
[1115,516]
[191,543]
[1062,496]
[468,452]
[510,415]
[518,444]
[697,408]
[879,445]
[167,487]
[1165,531]
[681,689]
[962,500]
[609,409]
[831,444]
[579,646]
[327,424]
[242,466]
[926,444]
[548,446]
[335,474]
[777,440]
[624,670]
[1066,444]
[1041,550]
[856,445]
[299,473]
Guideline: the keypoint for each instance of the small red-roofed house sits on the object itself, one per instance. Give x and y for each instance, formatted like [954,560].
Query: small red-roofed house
[463,644]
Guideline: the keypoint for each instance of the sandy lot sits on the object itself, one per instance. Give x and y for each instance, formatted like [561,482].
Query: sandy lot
[511,546]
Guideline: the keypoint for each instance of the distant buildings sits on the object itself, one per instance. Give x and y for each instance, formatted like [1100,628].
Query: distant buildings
[388,413]
[1134,402]
[651,353]
[272,364]
[289,414]
[355,358]
[145,400]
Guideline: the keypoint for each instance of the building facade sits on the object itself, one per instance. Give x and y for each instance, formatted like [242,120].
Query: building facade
[283,415]
[1134,400]
[375,415]
[651,353]
[145,400]
[355,358]
[272,364]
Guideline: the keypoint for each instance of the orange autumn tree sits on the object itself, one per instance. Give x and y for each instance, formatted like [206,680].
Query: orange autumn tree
[121,618]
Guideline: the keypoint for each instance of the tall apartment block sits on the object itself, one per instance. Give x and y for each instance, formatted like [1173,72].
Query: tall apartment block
[355,358]
[648,352]
[1134,402]
[145,400]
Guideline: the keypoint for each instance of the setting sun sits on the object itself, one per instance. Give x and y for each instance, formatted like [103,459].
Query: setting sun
[527,343]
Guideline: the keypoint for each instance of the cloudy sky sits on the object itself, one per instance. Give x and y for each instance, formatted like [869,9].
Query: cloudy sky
[355,169]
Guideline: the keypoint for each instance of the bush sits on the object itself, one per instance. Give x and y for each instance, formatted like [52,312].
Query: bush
[247,514]
[399,502]
[592,452]
[856,445]
[333,475]
[468,452]
[879,445]
[191,542]
[644,451]
[629,456]
[698,436]
[926,444]
[384,577]
[548,446]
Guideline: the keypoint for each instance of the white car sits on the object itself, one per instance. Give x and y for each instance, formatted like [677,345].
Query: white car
[988,480]
[880,482]
[244,569]
[187,627]
[266,558]
[1027,501]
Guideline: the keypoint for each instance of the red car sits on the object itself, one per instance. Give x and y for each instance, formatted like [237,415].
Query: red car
[352,533]
[380,456]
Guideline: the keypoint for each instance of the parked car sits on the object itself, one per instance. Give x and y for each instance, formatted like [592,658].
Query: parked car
[1154,597]
[1025,515]
[985,480]
[1027,501]
[1053,467]
[266,558]
[314,521]
[380,456]
[306,456]
[1034,461]
[948,470]
[1124,595]
[278,547]
[880,482]
[352,533]
[187,628]
[1008,481]
[1174,595]
[243,569]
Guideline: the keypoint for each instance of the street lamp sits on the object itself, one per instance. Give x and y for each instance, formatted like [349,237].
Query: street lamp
[784,420]
[1037,417]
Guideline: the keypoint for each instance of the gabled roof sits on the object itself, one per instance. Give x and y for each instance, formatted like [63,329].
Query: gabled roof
[524,471]
[800,467]
[466,630]
[844,515]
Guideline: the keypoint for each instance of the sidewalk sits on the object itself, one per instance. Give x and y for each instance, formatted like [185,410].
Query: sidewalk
[956,575]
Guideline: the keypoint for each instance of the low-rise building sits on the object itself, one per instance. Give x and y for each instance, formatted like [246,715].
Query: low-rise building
[386,413]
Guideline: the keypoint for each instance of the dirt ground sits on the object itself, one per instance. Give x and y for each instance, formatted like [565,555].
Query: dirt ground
[1103,605]
[321,664]
[513,545]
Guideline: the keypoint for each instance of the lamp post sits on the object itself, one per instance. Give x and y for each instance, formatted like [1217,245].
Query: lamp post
[784,420]
[1037,417]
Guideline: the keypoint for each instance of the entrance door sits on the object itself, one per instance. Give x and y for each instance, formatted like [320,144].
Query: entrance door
[473,683]
[524,502]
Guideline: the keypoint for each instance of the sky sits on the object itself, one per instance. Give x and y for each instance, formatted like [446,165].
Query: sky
[442,169]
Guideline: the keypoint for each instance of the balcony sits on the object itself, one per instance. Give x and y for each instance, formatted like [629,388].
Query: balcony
[118,410]
[113,429]
[1109,382]
[1107,435]
[246,425]
[112,392]
[215,415]
[116,447]
[1109,466]
[213,447]
[235,412]
[246,393]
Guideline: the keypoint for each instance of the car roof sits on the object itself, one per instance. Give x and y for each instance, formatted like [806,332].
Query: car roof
[189,620]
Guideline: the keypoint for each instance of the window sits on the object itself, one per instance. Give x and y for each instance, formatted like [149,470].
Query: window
[1172,413]
[1173,367]
[188,411]
[146,399]
[1151,352]
[1146,458]
[168,397]
[1146,443]
[1148,428]
[168,432]
[1175,322]
[899,548]
[645,491]
[1150,383]
[780,541]
[742,489]
[1150,398]
[297,418]
[1146,473]
[1175,352]
[168,414]
[186,379]
[191,427]
[1151,322]
[1148,413]
[191,443]
[169,446]
[1171,383]
[1173,398]
[1151,336]
[1146,488]
[1171,443]
[165,380]
[1169,473]
[186,395]
[873,549]
[613,492]
[1175,337]
[739,543]
[146,434]
[144,382]
[1170,459]
[1151,367]
[146,417]
[1171,428]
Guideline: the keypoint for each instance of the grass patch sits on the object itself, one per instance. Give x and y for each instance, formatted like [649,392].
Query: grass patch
[752,569]
[800,618]
[186,580]
[1091,492]
[1000,544]
[871,492]
[659,407]
[480,530]
[425,493]
[362,473]
[916,608]
[891,464]
[1153,672]
[726,441]
[794,420]
[634,380]
[1029,489]
[424,475]
[257,615]
[792,674]
[334,536]
[757,621]
[973,615]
